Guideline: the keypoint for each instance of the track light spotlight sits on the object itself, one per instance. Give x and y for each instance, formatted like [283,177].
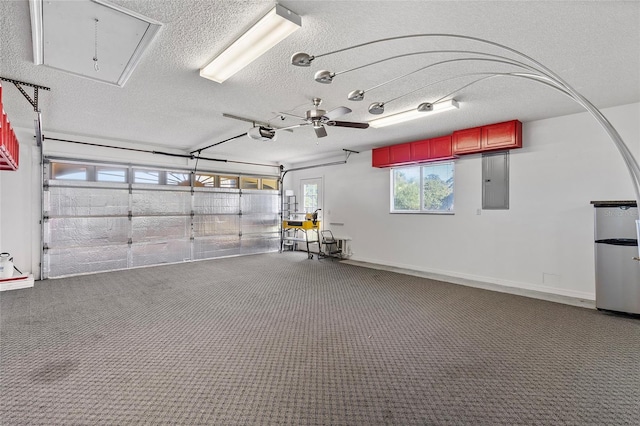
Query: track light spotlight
[356,95]
[301,59]
[425,107]
[324,76]
[376,108]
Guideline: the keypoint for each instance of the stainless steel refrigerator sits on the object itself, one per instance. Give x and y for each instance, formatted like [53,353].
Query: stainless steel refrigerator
[616,246]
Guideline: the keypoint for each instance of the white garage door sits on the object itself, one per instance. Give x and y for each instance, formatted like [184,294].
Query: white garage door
[106,217]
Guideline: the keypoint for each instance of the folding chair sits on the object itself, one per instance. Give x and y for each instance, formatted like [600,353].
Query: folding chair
[330,244]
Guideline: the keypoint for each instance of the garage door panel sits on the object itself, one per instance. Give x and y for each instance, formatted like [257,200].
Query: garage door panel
[260,223]
[157,252]
[260,202]
[88,202]
[216,203]
[259,244]
[219,246]
[206,226]
[81,260]
[149,228]
[87,231]
[160,202]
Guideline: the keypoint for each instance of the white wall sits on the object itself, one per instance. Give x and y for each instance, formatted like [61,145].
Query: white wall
[20,205]
[544,242]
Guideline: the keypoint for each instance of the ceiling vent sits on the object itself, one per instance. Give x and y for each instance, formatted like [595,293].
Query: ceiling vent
[90,38]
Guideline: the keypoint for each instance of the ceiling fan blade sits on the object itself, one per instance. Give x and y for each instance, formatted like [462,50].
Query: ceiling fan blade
[337,112]
[351,124]
[321,132]
[293,127]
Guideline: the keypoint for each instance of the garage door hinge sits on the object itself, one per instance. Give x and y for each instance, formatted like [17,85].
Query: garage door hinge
[130,215]
[45,248]
[129,242]
[45,217]
[240,234]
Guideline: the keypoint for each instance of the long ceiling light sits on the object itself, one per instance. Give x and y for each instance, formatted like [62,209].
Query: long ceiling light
[274,27]
[420,112]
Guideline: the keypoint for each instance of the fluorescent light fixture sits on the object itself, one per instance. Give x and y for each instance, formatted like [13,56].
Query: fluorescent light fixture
[413,114]
[274,27]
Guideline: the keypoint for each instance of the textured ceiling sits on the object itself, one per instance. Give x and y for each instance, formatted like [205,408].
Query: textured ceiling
[593,45]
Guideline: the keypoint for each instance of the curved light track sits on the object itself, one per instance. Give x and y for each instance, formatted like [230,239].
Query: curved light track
[545,76]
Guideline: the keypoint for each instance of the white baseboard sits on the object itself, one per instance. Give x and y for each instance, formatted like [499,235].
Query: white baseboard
[16,283]
[552,294]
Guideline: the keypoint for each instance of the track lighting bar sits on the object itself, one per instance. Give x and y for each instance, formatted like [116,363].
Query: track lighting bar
[538,72]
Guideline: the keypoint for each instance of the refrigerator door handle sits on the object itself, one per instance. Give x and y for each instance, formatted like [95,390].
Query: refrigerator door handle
[631,242]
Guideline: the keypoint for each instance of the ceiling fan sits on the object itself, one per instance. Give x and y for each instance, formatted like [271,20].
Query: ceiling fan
[318,118]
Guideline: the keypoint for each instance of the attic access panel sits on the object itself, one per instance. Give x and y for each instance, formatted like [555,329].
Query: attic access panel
[64,38]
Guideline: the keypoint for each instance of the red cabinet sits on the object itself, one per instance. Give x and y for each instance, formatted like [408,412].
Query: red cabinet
[440,148]
[507,135]
[420,150]
[431,149]
[467,141]
[499,136]
[391,155]
[9,146]
[494,137]
[380,157]
[400,154]
[413,152]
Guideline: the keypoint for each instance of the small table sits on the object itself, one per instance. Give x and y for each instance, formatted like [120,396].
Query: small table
[344,245]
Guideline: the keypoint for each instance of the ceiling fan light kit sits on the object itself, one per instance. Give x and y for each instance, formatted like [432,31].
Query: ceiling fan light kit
[274,27]
[415,113]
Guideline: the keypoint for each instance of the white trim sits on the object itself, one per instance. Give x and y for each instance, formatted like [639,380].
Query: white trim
[15,284]
[569,297]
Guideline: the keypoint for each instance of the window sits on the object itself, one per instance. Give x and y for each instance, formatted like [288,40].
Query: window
[258,183]
[205,180]
[146,176]
[69,171]
[228,181]
[179,178]
[109,174]
[311,194]
[249,183]
[269,183]
[422,189]
[120,173]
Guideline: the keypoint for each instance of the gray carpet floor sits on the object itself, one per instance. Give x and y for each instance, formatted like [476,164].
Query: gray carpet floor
[280,339]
